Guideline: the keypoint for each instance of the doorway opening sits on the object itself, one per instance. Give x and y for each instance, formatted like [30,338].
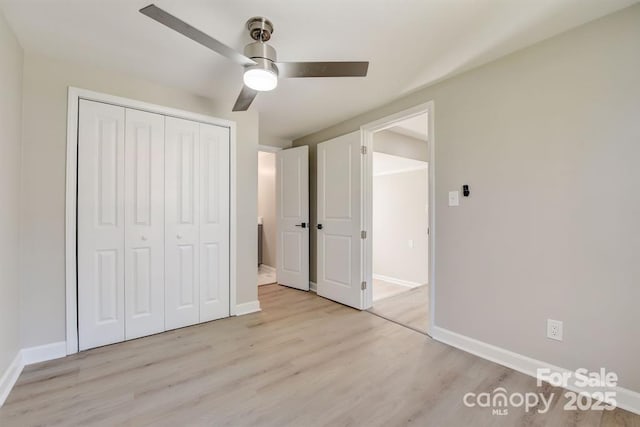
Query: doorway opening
[400,223]
[267,224]
[398,205]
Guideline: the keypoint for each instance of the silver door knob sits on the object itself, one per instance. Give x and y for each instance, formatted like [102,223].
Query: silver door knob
[179,236]
[143,237]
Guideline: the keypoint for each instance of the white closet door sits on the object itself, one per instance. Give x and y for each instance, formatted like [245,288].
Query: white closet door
[101,317]
[214,222]
[182,211]
[144,224]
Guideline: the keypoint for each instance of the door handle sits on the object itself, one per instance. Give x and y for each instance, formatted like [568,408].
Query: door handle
[303,225]
[179,235]
[319,226]
[143,237]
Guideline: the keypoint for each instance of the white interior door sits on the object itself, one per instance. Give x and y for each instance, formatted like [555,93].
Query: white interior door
[182,212]
[101,132]
[214,222]
[144,223]
[292,213]
[339,244]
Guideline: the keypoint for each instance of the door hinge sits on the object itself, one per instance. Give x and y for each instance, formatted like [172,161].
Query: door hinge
[363,149]
[363,234]
[363,285]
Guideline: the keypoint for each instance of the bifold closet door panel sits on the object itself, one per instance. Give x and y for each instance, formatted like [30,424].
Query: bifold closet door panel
[182,218]
[144,223]
[101,135]
[214,222]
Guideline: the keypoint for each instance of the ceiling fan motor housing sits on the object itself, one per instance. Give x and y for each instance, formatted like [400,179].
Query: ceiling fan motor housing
[260,50]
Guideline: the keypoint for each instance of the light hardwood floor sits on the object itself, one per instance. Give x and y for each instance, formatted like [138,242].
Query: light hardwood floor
[383,289]
[410,308]
[303,361]
[266,275]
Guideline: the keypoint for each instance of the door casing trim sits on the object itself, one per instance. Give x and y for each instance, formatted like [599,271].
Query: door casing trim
[366,262]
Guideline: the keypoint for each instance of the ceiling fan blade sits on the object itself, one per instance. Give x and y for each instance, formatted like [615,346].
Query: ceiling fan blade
[323,69]
[246,97]
[165,18]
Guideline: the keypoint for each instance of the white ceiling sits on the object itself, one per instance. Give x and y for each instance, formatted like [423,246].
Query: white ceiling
[415,127]
[385,164]
[410,44]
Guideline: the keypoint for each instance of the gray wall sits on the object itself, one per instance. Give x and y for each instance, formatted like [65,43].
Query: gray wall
[400,145]
[274,141]
[43,175]
[400,215]
[267,205]
[10,115]
[548,138]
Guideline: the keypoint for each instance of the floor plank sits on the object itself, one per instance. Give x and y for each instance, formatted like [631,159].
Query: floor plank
[410,308]
[302,361]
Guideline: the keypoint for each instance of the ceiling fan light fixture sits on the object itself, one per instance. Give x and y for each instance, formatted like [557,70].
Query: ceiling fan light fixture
[262,77]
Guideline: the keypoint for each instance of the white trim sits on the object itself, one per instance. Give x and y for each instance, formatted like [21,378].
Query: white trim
[403,170]
[233,220]
[43,353]
[71,222]
[10,376]
[28,356]
[268,268]
[74,95]
[313,287]
[247,308]
[269,148]
[397,281]
[366,263]
[626,399]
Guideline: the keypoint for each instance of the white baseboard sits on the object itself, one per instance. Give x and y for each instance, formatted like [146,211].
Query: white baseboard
[313,287]
[43,353]
[247,308]
[268,268]
[10,376]
[397,281]
[625,398]
[29,356]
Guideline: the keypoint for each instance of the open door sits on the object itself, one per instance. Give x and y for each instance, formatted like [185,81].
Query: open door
[292,213]
[339,223]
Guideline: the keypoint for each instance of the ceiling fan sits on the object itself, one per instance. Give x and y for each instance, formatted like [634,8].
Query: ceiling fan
[261,68]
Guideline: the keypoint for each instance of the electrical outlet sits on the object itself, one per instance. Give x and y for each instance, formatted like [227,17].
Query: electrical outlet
[554,329]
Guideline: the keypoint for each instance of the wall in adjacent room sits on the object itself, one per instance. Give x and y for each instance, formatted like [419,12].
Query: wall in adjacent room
[400,225]
[400,145]
[267,205]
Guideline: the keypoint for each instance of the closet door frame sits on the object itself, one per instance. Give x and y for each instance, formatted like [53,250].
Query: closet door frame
[71,279]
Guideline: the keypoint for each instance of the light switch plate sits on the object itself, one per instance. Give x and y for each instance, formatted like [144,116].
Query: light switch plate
[454,198]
